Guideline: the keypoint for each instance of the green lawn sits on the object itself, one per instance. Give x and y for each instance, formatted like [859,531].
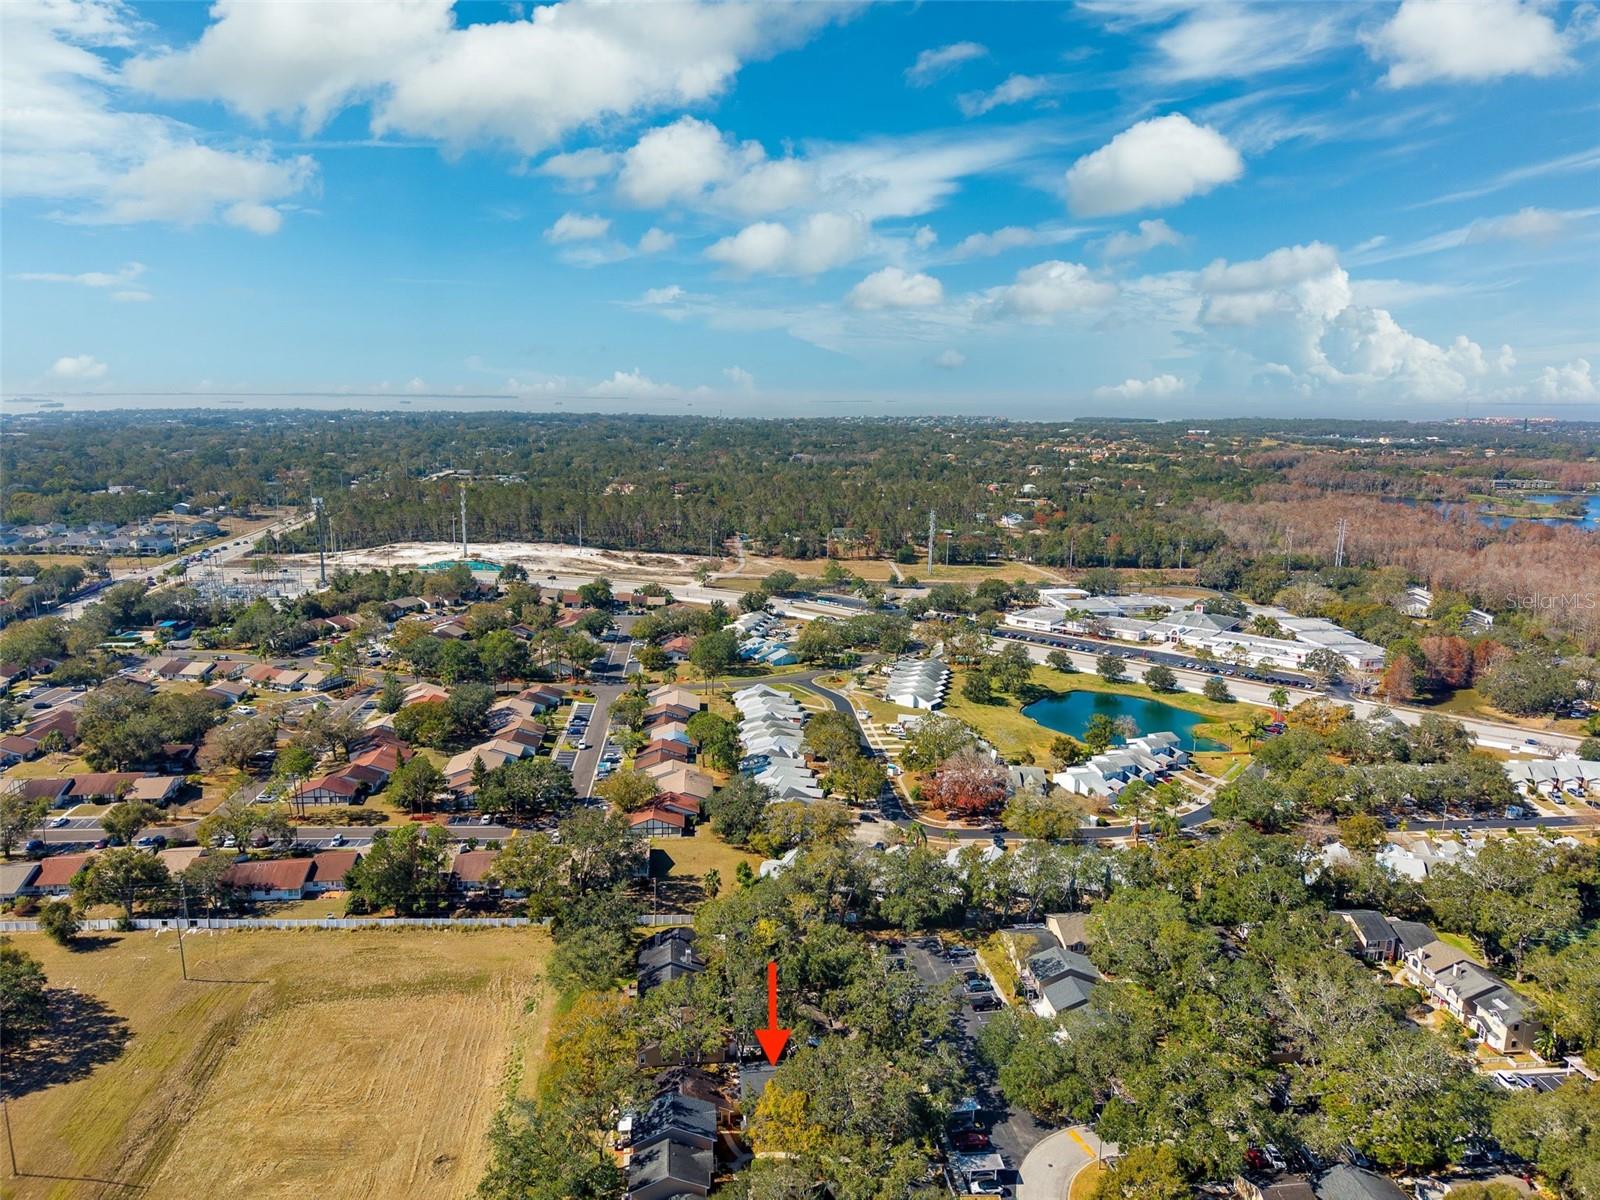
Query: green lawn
[693,856]
[1469,702]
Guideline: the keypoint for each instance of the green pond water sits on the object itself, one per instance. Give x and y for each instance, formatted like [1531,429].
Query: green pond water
[1070,714]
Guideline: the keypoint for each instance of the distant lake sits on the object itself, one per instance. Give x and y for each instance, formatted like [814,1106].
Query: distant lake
[1070,714]
[1589,520]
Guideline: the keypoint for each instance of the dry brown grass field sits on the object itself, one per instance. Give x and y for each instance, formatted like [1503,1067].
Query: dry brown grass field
[345,1064]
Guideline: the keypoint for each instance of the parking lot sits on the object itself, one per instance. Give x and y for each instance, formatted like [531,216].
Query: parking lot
[1011,1132]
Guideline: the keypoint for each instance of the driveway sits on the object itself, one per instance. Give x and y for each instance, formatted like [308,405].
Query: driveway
[1047,1171]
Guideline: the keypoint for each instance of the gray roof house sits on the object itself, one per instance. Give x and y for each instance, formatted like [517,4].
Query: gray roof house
[1065,980]
[1352,1183]
[1485,1005]
[669,1169]
[672,1116]
[1374,934]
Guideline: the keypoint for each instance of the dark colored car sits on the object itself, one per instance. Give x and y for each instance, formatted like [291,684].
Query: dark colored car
[984,1002]
[968,1140]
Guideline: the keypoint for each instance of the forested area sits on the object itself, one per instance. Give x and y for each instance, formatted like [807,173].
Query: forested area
[685,484]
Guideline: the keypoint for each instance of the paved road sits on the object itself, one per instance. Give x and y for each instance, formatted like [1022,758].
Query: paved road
[221,553]
[1048,1170]
[1013,1131]
[607,686]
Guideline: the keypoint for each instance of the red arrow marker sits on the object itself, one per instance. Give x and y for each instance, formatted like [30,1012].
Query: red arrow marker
[772,1038]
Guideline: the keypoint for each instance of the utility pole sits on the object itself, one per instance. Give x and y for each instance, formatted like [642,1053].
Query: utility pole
[1288,554]
[318,516]
[183,923]
[11,1149]
[1181,544]
[1343,528]
[930,541]
[463,521]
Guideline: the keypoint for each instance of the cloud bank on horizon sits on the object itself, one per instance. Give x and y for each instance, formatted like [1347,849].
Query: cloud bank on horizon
[1163,206]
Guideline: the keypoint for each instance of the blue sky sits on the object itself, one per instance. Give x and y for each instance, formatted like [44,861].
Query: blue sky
[1029,210]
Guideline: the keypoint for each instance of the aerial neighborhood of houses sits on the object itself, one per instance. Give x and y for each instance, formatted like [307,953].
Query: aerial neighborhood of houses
[472,719]
[142,538]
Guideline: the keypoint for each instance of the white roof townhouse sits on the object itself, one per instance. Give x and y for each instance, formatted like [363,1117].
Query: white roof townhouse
[1144,758]
[918,683]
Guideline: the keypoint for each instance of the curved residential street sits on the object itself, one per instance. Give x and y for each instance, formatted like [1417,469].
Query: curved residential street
[1048,1170]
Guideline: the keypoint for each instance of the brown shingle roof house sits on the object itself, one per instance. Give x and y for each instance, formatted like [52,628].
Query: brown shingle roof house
[329,867]
[270,879]
[471,868]
[56,872]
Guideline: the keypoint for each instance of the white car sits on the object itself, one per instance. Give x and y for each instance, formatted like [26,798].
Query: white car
[863,715]
[60,823]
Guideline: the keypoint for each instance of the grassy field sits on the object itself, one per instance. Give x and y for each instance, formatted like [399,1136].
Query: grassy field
[693,856]
[1012,733]
[49,766]
[1469,702]
[360,1064]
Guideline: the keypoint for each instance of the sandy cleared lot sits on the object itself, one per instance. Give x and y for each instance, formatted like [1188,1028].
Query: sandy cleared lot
[346,1064]
[540,559]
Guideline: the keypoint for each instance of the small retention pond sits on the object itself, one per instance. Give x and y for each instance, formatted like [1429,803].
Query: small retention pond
[473,564]
[1070,714]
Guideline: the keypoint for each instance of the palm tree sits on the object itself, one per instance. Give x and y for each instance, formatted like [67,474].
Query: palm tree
[1279,697]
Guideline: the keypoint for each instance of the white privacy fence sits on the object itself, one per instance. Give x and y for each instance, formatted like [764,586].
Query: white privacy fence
[109,925]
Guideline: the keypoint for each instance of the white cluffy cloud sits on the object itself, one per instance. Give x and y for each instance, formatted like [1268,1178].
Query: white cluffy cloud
[1149,235]
[655,241]
[1143,389]
[740,378]
[893,288]
[931,64]
[1294,313]
[949,360]
[1571,382]
[580,169]
[676,162]
[1017,89]
[67,138]
[524,81]
[1043,291]
[1468,41]
[692,162]
[819,243]
[1157,162]
[576,227]
[1011,237]
[79,367]
[636,385]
